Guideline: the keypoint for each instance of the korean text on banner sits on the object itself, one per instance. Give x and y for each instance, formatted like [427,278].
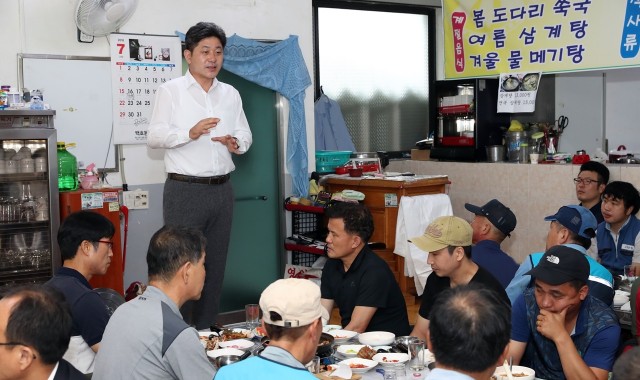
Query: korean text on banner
[489,37]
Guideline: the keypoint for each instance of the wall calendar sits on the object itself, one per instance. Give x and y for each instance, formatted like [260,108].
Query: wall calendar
[139,64]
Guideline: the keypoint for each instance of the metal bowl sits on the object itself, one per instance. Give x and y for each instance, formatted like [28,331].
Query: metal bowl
[223,360]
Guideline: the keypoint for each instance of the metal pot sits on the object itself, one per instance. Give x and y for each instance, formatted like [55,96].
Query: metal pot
[615,155]
[325,345]
[495,153]
[628,159]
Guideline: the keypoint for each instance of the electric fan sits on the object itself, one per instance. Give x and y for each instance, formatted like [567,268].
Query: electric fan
[101,17]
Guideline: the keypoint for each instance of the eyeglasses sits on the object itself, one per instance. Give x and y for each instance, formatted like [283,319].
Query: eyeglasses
[584,181]
[110,243]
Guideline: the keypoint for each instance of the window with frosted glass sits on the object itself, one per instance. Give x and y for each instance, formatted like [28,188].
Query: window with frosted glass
[375,64]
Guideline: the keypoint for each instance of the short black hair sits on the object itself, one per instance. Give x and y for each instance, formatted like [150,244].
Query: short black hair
[598,168]
[577,239]
[81,226]
[467,249]
[624,191]
[469,328]
[40,319]
[203,30]
[170,248]
[356,217]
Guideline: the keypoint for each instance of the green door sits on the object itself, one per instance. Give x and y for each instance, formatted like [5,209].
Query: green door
[256,247]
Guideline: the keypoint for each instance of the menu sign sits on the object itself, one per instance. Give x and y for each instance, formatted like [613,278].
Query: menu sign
[517,92]
[139,64]
[488,37]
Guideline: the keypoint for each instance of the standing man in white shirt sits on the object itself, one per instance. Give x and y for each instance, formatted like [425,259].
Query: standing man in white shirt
[200,122]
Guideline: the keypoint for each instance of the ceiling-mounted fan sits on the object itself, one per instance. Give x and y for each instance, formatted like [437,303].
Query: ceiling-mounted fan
[96,18]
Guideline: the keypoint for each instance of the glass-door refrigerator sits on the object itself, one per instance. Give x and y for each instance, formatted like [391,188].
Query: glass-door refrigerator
[29,211]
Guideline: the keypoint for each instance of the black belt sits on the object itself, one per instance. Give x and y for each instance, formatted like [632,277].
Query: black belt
[215,180]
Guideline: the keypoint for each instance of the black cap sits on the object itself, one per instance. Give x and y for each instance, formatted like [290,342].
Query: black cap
[561,264]
[498,214]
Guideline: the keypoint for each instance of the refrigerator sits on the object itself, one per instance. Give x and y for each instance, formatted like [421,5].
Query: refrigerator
[29,211]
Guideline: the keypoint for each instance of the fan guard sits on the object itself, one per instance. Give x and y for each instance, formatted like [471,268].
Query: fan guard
[101,17]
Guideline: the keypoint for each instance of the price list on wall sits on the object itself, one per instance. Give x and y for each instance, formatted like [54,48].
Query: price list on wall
[140,63]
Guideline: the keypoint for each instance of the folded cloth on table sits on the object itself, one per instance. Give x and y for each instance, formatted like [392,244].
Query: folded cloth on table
[414,215]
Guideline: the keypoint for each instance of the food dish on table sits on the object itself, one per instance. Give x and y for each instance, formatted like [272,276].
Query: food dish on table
[349,350]
[342,336]
[209,340]
[241,344]
[359,365]
[376,338]
[391,359]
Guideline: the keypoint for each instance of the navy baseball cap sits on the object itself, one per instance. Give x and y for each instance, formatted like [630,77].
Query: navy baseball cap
[577,219]
[561,264]
[498,214]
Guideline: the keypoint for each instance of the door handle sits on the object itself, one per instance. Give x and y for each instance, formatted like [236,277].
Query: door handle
[254,198]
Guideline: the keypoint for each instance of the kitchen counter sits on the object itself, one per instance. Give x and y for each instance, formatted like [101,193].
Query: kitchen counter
[531,191]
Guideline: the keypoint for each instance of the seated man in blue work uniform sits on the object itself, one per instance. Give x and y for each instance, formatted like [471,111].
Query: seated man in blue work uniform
[618,238]
[492,223]
[572,226]
[292,316]
[85,240]
[557,327]
[355,279]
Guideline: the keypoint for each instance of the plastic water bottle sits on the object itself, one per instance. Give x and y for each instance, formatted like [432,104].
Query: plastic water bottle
[67,169]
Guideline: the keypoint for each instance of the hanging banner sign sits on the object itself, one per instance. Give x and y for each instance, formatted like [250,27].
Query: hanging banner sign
[139,64]
[488,37]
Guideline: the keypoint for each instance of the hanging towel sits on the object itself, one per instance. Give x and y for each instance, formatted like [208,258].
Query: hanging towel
[414,215]
[280,67]
[331,130]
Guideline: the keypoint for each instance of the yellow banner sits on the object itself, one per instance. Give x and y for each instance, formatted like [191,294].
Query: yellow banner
[488,37]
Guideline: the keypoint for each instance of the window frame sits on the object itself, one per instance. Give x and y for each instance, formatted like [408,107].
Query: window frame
[376,6]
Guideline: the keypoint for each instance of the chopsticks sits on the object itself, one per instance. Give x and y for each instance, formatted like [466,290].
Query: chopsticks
[507,369]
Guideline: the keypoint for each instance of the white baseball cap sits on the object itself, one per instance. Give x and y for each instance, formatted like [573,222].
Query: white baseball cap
[295,300]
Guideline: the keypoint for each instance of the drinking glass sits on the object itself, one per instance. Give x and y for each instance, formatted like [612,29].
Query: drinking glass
[314,365]
[252,315]
[416,351]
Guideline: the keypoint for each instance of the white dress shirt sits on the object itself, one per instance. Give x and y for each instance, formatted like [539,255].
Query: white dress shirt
[179,105]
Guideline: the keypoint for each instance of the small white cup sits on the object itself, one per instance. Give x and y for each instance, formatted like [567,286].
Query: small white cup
[27,165]
[12,166]
[534,157]
[41,164]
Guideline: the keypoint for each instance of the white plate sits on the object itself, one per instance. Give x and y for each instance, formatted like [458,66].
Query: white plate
[224,351]
[241,344]
[376,338]
[349,350]
[206,334]
[391,359]
[501,374]
[342,336]
[368,364]
[327,328]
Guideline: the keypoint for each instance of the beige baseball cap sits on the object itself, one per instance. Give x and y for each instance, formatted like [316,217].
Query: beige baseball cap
[295,300]
[444,231]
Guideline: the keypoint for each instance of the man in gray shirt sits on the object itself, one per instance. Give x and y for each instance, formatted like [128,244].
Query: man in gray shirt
[146,338]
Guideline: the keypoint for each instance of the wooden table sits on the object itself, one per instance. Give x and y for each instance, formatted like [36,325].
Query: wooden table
[382,196]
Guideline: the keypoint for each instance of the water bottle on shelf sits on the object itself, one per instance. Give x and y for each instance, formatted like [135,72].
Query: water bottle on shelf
[67,168]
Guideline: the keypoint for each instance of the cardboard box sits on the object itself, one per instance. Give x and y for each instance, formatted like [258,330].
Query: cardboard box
[420,154]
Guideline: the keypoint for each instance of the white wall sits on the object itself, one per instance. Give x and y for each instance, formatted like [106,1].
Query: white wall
[48,27]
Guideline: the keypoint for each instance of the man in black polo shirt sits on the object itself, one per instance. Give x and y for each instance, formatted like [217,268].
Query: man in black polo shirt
[85,246]
[447,240]
[355,279]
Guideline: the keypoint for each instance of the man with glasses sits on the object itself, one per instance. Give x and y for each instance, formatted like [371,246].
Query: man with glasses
[85,240]
[590,184]
[35,326]
[572,226]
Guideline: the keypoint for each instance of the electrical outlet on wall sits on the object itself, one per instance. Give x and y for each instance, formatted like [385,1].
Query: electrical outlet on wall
[136,199]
